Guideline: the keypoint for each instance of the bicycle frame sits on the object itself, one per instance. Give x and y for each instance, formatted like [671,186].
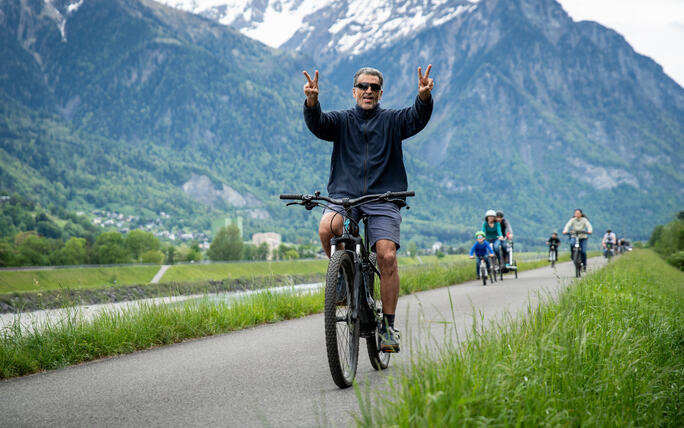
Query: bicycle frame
[361,256]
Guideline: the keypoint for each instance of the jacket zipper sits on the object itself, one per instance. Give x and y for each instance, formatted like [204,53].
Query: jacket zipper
[365,160]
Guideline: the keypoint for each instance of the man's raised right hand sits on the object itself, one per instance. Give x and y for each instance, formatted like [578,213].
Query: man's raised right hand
[311,89]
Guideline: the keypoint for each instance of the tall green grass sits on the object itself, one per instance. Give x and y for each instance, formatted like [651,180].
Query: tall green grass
[608,353]
[75,340]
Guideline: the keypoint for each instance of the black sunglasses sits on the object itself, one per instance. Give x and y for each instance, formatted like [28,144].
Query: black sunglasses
[375,87]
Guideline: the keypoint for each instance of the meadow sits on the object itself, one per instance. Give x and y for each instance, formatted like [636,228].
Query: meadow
[608,352]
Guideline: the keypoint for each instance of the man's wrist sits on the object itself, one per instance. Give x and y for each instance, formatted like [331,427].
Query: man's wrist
[427,99]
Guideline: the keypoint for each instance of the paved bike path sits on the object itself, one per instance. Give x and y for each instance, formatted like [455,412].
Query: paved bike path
[274,375]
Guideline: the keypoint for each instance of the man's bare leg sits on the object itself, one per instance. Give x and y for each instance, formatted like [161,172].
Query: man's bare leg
[389,279]
[326,232]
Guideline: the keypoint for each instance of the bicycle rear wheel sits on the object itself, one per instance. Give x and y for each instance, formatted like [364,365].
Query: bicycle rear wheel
[483,272]
[378,359]
[495,267]
[341,332]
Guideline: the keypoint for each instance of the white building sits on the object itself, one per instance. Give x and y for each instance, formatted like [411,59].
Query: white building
[272,239]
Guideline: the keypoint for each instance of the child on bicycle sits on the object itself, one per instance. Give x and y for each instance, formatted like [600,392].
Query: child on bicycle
[554,242]
[481,249]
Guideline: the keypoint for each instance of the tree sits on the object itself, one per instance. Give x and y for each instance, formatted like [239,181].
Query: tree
[262,252]
[110,248]
[48,229]
[6,254]
[170,254]
[152,256]
[412,249]
[139,242]
[32,250]
[248,252]
[73,252]
[226,245]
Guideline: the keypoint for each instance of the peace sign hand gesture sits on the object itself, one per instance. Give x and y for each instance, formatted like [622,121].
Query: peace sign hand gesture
[425,83]
[311,89]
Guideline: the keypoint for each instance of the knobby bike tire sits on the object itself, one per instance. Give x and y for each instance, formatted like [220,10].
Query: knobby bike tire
[494,263]
[379,360]
[483,273]
[341,334]
[577,261]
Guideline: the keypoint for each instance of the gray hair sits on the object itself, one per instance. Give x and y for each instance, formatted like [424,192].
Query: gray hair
[368,70]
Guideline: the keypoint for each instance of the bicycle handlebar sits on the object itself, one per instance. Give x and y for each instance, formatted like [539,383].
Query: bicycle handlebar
[346,202]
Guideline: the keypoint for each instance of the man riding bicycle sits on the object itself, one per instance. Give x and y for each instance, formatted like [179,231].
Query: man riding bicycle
[608,238]
[367,158]
[506,232]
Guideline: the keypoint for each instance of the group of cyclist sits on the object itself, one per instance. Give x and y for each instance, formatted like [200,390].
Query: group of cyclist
[493,240]
[579,228]
[497,233]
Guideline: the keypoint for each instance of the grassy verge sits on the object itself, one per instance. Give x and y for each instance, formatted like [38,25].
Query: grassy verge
[609,352]
[76,340]
[19,281]
[111,333]
[65,297]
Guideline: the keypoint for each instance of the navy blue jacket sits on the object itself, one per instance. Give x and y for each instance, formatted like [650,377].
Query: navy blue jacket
[482,249]
[367,155]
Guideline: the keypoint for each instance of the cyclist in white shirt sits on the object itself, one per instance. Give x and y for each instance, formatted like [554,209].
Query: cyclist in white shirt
[609,237]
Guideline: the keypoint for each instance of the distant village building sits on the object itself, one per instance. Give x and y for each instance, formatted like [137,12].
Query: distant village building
[272,239]
[437,246]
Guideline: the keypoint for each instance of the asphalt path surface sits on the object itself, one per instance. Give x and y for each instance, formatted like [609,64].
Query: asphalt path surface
[274,375]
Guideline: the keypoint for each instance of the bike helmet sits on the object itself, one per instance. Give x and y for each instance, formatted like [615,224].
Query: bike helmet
[499,214]
[490,213]
[479,233]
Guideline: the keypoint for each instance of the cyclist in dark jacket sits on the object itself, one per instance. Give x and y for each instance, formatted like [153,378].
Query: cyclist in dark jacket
[367,158]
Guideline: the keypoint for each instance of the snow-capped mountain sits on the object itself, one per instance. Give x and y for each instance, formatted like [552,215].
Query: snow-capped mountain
[327,27]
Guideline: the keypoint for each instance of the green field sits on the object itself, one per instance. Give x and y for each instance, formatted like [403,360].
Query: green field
[18,281]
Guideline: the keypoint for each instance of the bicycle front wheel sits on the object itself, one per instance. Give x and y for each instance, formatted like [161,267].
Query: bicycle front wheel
[577,260]
[341,332]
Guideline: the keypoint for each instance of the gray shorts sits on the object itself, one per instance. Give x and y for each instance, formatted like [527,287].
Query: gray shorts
[384,220]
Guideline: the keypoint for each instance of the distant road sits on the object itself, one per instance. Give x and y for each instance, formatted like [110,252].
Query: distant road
[158,275]
[274,375]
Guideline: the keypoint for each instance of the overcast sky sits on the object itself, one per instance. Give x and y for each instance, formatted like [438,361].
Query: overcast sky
[654,28]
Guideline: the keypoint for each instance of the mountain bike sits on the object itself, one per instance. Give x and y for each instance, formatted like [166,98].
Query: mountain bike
[352,309]
[609,251]
[553,254]
[486,272]
[576,254]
